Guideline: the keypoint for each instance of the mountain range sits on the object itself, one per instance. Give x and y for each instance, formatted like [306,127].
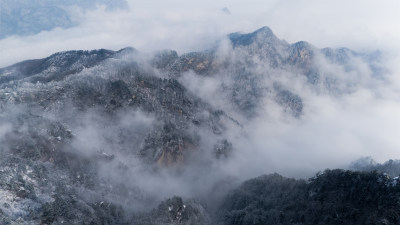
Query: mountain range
[126,137]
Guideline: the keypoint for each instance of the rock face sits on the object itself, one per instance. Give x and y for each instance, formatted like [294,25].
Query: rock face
[90,137]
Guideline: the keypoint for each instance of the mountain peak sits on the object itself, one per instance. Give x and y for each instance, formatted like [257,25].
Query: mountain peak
[261,35]
[264,31]
[127,50]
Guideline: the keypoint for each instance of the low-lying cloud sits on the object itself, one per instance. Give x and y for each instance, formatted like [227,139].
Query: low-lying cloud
[350,114]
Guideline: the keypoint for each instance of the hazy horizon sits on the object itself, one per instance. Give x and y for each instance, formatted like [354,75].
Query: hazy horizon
[153,25]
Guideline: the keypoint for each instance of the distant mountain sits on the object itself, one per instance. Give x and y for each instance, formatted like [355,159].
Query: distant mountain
[109,137]
[22,17]
[390,167]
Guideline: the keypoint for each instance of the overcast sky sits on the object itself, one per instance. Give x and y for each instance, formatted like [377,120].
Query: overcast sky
[195,25]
